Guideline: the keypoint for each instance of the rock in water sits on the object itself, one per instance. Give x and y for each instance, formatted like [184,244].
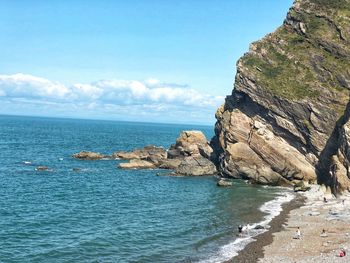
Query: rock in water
[224,182]
[189,156]
[42,168]
[154,153]
[137,164]
[286,120]
[85,155]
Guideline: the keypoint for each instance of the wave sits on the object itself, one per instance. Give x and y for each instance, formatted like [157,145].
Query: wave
[272,209]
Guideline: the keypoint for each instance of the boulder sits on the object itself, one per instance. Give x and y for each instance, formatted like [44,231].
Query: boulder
[137,164]
[85,155]
[196,166]
[151,152]
[190,143]
[224,182]
[301,187]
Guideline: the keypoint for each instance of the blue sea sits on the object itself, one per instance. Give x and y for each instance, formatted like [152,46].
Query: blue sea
[103,214]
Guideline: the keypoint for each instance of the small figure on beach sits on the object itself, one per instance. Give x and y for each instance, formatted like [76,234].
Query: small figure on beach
[323,234]
[342,253]
[325,199]
[241,230]
[343,201]
[297,234]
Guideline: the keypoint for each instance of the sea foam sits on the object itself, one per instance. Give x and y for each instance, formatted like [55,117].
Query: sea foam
[272,209]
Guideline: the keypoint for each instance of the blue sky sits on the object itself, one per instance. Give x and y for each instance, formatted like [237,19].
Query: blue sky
[149,60]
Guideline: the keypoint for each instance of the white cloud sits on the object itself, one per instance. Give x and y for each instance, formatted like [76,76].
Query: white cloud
[28,86]
[126,96]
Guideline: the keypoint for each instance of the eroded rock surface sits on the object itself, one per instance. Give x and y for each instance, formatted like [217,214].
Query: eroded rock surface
[85,155]
[191,155]
[286,120]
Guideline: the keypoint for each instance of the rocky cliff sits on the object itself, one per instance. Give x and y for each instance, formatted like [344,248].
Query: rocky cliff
[287,119]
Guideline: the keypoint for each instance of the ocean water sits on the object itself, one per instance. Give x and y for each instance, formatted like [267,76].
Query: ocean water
[104,214]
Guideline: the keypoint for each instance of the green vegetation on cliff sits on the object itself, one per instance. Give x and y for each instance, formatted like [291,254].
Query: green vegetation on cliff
[308,54]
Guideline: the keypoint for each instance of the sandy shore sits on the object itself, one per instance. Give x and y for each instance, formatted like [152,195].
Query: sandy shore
[314,216]
[253,251]
[309,212]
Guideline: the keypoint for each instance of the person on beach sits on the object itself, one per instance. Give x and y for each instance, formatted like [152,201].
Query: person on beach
[323,234]
[240,230]
[342,253]
[297,234]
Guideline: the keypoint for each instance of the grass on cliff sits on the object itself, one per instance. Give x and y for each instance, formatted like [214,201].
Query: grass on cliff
[333,4]
[295,66]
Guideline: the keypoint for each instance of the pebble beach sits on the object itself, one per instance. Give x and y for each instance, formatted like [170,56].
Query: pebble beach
[312,215]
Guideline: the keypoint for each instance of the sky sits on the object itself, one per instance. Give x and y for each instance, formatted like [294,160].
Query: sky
[167,61]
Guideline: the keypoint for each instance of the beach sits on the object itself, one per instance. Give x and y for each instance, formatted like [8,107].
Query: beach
[312,215]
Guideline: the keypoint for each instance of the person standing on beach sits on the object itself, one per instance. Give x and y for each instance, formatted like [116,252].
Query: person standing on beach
[297,234]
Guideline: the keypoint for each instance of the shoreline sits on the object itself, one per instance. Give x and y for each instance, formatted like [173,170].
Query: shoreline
[316,215]
[324,226]
[255,249]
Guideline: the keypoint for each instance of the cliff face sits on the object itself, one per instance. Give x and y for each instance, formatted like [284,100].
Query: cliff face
[287,119]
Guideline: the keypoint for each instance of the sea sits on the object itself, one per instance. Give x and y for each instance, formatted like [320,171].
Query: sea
[91,211]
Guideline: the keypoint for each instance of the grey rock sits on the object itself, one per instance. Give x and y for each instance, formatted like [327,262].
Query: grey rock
[224,183]
[196,166]
[86,155]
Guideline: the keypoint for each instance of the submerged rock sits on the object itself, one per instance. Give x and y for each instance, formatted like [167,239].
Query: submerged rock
[85,155]
[42,168]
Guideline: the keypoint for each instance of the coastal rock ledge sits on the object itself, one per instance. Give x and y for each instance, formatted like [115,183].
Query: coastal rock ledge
[287,119]
[191,155]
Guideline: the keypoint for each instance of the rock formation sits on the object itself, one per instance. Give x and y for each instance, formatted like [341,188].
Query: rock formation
[287,119]
[85,155]
[191,155]
[188,156]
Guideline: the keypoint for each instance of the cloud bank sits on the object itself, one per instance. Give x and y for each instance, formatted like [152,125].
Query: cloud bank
[149,100]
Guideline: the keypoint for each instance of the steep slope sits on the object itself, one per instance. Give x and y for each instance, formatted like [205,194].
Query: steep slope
[287,119]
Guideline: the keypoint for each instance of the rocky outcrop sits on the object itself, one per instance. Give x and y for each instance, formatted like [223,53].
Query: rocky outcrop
[137,164]
[196,166]
[190,143]
[85,155]
[190,156]
[224,183]
[286,120]
[153,153]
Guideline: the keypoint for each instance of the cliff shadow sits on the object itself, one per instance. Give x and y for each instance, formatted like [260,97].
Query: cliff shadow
[323,167]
